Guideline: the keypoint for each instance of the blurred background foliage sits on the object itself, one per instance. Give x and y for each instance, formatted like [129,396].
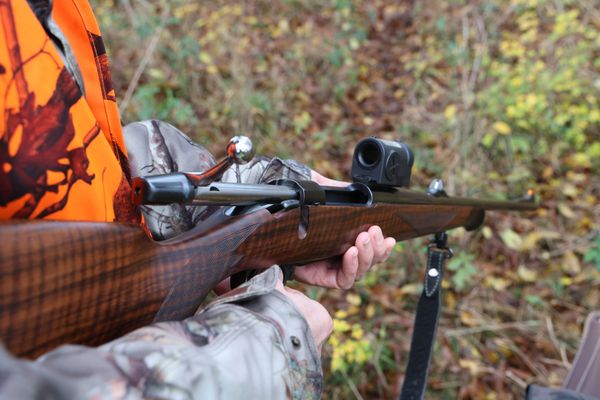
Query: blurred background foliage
[494,96]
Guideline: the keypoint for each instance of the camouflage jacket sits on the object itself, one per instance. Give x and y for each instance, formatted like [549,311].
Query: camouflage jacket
[250,343]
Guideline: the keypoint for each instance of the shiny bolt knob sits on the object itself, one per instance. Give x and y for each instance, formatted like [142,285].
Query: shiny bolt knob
[240,149]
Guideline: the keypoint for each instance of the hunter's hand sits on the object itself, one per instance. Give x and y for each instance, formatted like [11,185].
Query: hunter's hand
[317,317]
[369,249]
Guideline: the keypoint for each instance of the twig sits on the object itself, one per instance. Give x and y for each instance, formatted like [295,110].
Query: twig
[520,382]
[552,361]
[353,387]
[560,348]
[492,328]
[376,357]
[145,60]
[540,372]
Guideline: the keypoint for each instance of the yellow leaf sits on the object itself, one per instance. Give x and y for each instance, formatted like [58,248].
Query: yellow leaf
[205,57]
[570,190]
[566,211]
[353,310]
[213,70]
[156,73]
[503,346]
[502,128]
[357,332]
[498,284]
[491,396]
[468,318]
[353,299]
[284,25]
[570,263]
[531,239]
[526,274]
[488,140]
[449,301]
[450,112]
[368,121]
[411,288]
[493,356]
[511,239]
[581,160]
[370,312]
[364,92]
[471,365]
[399,93]
[487,232]
[339,325]
[566,281]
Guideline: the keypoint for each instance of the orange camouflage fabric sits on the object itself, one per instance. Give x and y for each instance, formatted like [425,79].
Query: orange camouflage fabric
[62,154]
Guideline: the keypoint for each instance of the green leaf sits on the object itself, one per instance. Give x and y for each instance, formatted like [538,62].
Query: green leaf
[464,270]
[592,255]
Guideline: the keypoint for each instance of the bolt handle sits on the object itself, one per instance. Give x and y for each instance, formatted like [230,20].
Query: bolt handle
[180,187]
[239,150]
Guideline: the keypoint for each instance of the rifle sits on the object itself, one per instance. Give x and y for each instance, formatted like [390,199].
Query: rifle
[90,282]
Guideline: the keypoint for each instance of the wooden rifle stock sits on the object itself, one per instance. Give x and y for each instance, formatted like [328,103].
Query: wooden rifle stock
[88,282]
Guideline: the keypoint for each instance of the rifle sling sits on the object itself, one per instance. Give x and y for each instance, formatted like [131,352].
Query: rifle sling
[426,320]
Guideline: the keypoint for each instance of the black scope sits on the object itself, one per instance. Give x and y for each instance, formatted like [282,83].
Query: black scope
[382,162]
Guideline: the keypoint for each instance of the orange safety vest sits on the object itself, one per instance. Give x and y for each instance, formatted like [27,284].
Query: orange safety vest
[62,154]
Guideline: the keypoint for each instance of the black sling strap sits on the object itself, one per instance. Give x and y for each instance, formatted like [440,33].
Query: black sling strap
[426,319]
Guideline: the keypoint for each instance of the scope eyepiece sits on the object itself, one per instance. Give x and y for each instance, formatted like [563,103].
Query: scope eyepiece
[382,162]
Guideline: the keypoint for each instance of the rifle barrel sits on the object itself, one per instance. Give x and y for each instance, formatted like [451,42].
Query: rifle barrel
[405,196]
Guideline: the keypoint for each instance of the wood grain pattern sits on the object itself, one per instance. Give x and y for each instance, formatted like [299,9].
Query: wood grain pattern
[87,282]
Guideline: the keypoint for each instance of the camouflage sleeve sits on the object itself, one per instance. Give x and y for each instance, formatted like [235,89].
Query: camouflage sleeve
[251,343]
[155,147]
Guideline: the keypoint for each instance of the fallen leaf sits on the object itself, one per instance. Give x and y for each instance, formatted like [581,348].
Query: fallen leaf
[411,288]
[502,128]
[498,284]
[511,239]
[353,299]
[526,274]
[532,238]
[370,312]
[570,190]
[566,211]
[449,301]
[472,366]
[566,281]
[570,263]
[468,318]
[450,112]
[487,232]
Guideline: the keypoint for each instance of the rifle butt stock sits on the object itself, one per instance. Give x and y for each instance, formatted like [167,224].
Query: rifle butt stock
[90,282]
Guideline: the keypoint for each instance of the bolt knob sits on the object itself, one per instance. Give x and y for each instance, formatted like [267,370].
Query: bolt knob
[240,149]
